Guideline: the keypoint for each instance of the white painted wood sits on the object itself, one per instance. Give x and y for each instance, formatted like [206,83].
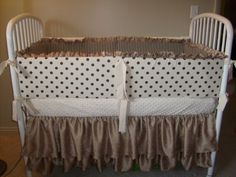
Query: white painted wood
[204,31]
[215,33]
[194,31]
[207,32]
[19,36]
[200,31]
[211,33]
[223,40]
[197,32]
[218,23]
[221,33]
[219,36]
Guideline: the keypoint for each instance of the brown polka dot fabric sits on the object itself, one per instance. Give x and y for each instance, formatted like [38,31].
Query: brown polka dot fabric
[94,77]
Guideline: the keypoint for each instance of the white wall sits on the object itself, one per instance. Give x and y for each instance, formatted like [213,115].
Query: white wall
[116,17]
[96,18]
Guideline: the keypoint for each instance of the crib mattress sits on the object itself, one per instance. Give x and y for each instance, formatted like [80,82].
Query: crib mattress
[72,107]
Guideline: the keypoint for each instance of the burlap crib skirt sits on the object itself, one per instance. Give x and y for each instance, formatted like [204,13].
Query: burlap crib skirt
[149,141]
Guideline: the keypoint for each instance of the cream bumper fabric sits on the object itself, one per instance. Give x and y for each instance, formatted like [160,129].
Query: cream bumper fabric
[74,107]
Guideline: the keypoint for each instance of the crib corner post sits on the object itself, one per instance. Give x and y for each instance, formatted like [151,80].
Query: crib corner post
[28,173]
[211,170]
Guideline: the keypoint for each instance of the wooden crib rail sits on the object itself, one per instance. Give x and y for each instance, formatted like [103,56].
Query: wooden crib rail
[216,32]
[22,31]
[212,30]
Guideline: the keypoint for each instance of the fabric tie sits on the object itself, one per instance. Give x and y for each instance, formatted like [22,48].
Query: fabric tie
[223,99]
[230,63]
[121,94]
[234,63]
[8,62]
[16,106]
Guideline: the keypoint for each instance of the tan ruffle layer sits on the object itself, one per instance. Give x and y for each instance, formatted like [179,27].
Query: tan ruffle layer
[149,141]
[120,46]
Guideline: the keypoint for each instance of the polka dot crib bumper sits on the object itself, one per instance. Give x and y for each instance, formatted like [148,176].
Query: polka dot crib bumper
[94,77]
[86,68]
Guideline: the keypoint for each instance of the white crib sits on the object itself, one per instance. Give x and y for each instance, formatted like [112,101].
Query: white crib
[210,30]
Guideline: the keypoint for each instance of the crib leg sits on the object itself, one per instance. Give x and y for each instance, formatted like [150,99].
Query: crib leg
[219,115]
[22,128]
[28,173]
[210,171]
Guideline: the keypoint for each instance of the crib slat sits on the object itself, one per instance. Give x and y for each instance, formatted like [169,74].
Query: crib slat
[219,37]
[211,34]
[203,30]
[30,30]
[25,34]
[18,37]
[223,41]
[194,31]
[33,29]
[200,32]
[197,36]
[37,30]
[207,32]
[215,34]
[21,35]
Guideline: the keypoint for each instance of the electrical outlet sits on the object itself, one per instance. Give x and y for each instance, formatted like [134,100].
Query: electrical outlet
[194,10]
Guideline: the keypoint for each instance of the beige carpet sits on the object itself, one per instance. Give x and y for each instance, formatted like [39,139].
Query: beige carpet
[226,161]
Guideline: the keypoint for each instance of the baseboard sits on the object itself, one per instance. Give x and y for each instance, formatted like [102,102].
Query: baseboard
[5,129]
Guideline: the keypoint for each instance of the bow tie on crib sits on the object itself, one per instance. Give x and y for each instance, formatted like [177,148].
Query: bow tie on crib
[13,64]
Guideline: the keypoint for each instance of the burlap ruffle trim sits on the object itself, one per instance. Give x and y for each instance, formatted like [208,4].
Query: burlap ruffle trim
[120,46]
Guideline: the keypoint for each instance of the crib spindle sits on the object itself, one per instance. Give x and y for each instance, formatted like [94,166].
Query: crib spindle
[18,38]
[27,32]
[223,40]
[22,35]
[207,32]
[203,31]
[219,36]
[215,34]
[194,31]
[211,33]
[30,30]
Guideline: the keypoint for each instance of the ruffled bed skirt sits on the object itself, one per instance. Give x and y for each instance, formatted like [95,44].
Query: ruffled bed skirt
[161,141]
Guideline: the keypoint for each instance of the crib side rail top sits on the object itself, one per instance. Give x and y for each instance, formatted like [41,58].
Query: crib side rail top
[212,30]
[22,31]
